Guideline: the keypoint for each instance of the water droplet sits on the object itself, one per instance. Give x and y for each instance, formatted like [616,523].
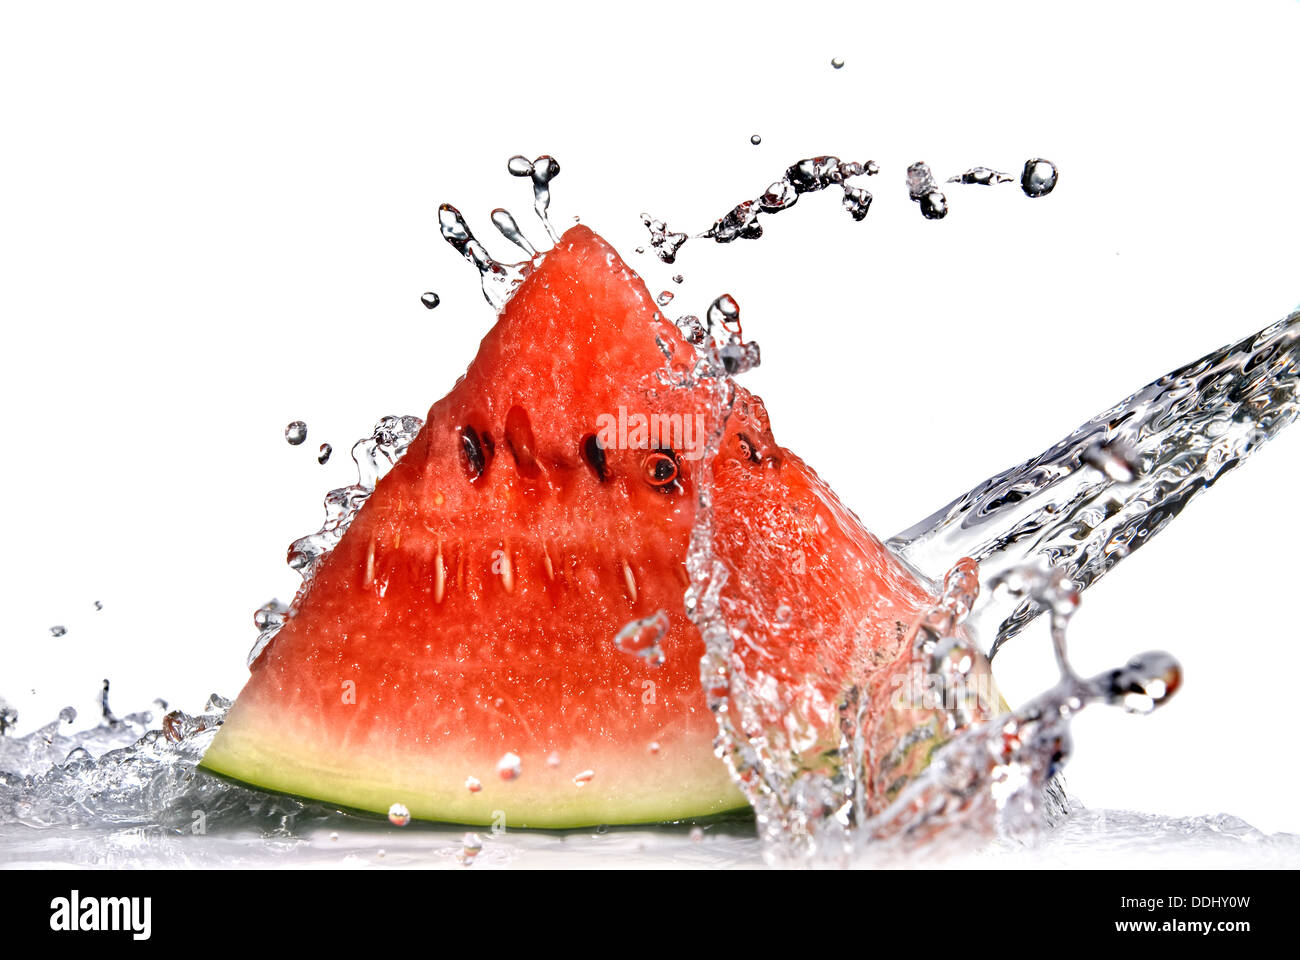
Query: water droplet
[654,746]
[295,433]
[324,456]
[584,778]
[471,845]
[473,785]
[508,228]
[398,815]
[68,714]
[99,605]
[520,166]
[270,614]
[430,299]
[922,188]
[678,278]
[724,312]
[381,853]
[857,201]
[934,205]
[642,637]
[697,834]
[1038,178]
[837,63]
[544,170]
[982,176]
[665,297]
[334,835]
[755,139]
[58,631]
[553,760]
[665,242]
[692,329]
[509,766]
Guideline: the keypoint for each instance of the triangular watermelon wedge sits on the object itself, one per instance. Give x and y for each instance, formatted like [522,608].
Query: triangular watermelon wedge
[456,651]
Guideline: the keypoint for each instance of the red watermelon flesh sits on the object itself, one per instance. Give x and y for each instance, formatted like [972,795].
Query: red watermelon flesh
[455,651]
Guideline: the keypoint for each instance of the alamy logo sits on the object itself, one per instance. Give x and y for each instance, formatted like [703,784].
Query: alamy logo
[74,913]
[657,431]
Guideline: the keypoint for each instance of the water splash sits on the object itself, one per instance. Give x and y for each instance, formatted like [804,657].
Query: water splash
[499,280]
[125,772]
[1095,496]
[541,171]
[837,767]
[374,456]
[812,175]
[816,174]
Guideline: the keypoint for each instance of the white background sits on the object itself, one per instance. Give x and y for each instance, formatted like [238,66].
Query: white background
[213,223]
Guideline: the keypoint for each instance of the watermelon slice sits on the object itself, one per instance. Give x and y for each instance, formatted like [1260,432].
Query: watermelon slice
[456,652]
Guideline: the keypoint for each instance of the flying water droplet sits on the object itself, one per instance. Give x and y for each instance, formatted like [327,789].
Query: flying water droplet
[295,433]
[584,778]
[519,166]
[678,278]
[857,201]
[499,280]
[755,139]
[553,760]
[509,766]
[837,63]
[324,456]
[58,631]
[99,605]
[665,242]
[398,815]
[430,299]
[654,746]
[1038,178]
[697,834]
[508,228]
[473,785]
[922,188]
[724,312]
[544,170]
[665,297]
[982,176]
